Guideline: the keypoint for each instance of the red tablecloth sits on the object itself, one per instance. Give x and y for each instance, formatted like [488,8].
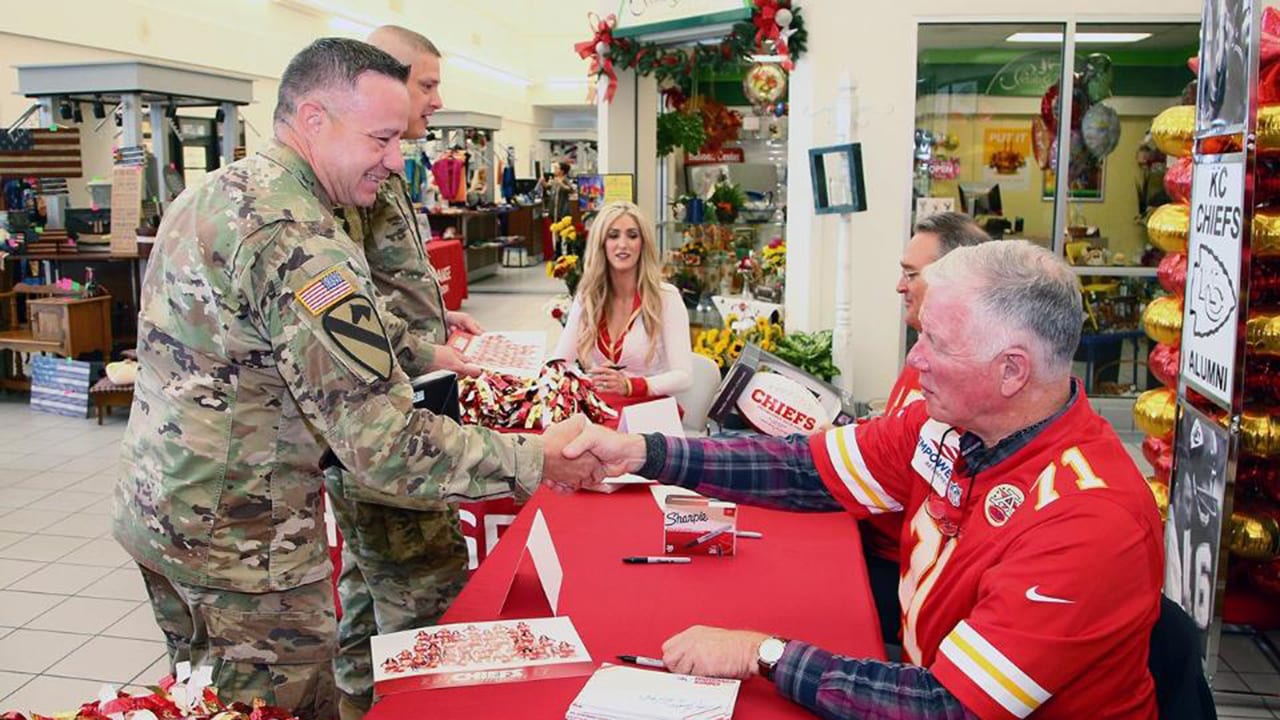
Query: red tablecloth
[447,257]
[804,580]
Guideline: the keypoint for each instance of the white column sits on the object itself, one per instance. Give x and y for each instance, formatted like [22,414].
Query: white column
[131,120]
[840,342]
[805,272]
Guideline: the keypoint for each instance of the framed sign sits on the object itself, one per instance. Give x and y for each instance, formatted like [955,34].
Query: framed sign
[646,17]
[1222,94]
[836,171]
[619,187]
[1193,533]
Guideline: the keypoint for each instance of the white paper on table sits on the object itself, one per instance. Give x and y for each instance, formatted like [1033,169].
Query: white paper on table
[545,560]
[617,692]
[657,416]
[662,492]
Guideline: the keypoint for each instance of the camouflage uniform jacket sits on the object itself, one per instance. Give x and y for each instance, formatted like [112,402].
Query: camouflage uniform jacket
[261,343]
[397,257]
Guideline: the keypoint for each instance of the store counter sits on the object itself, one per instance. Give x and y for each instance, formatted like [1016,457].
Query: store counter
[804,579]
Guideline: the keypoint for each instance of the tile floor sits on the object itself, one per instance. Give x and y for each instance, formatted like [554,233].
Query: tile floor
[73,611]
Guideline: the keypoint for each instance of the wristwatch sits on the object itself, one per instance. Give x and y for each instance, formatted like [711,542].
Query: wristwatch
[768,655]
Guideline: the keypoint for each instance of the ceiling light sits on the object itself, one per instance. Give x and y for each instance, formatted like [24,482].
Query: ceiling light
[1081,37]
[99,109]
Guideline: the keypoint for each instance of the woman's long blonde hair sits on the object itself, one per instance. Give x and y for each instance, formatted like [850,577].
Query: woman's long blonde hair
[595,289]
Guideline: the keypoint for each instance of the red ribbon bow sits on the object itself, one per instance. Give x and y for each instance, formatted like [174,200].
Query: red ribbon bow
[603,29]
[765,20]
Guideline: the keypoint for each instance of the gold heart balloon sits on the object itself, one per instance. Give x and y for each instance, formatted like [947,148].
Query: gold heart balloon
[1163,320]
[1268,127]
[1262,332]
[1259,433]
[1266,232]
[1253,536]
[1168,226]
[1174,129]
[1153,412]
[1161,492]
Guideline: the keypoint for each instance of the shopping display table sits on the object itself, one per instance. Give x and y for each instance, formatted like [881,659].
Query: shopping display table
[804,579]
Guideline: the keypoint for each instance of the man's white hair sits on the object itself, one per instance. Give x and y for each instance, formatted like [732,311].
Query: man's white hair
[1019,292]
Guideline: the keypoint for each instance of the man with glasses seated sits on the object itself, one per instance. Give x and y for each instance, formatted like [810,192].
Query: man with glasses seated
[1032,556]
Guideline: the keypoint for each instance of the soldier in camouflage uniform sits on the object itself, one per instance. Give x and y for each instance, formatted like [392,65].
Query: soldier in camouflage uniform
[400,568]
[261,344]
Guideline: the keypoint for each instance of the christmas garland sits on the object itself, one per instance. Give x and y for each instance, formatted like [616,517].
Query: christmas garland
[774,26]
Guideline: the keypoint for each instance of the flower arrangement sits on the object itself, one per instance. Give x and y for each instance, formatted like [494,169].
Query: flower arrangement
[727,199]
[724,345]
[567,266]
[774,257]
[558,308]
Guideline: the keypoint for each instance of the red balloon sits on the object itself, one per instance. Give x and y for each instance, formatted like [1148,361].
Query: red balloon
[1177,179]
[1163,363]
[1263,387]
[1267,178]
[1264,282]
[1266,576]
[1258,473]
[1172,273]
[1158,452]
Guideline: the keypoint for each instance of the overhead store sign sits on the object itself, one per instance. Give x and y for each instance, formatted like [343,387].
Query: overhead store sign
[649,17]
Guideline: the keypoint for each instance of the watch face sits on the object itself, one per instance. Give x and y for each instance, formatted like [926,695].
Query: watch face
[771,650]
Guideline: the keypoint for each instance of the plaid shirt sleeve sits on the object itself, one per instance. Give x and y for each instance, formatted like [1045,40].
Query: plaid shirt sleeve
[839,687]
[763,471]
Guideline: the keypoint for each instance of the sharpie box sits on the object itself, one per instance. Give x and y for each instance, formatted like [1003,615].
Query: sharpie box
[699,526]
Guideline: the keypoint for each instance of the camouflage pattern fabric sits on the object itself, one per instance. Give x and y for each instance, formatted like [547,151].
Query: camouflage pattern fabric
[400,568]
[397,257]
[260,344]
[275,646]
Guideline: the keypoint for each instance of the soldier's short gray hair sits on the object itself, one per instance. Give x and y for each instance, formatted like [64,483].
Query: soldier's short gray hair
[1017,288]
[954,230]
[331,64]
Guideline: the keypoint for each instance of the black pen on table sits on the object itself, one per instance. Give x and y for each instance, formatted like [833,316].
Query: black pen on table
[656,560]
[643,661]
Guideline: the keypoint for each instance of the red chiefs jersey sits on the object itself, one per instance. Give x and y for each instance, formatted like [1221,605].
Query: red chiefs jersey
[880,533]
[1045,598]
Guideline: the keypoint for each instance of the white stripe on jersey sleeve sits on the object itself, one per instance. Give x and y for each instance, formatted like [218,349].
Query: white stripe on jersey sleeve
[846,458]
[990,670]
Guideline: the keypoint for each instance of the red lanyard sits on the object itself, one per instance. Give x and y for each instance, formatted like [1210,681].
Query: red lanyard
[612,350]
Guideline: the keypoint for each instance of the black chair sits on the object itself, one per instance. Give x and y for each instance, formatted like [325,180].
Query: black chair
[1182,693]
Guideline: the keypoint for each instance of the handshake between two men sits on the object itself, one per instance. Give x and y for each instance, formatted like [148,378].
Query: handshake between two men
[578,454]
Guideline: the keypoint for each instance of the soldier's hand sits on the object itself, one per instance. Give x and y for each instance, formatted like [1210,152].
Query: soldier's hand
[617,453]
[457,320]
[446,358]
[562,473]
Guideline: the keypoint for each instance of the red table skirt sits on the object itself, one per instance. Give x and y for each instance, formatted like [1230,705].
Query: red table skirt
[805,580]
[447,257]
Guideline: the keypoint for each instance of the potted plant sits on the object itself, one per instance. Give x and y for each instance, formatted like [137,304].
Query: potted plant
[727,199]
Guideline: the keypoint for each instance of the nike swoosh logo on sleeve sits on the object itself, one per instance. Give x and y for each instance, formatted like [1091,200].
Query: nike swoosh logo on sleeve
[1033,594]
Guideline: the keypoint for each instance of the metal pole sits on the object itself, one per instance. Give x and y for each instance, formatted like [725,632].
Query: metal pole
[160,149]
[230,133]
[1066,90]
[131,117]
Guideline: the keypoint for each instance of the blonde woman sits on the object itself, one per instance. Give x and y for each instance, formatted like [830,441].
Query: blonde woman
[626,327]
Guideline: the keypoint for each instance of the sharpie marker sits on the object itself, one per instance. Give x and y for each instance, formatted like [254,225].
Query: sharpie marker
[749,534]
[656,560]
[708,537]
[643,661]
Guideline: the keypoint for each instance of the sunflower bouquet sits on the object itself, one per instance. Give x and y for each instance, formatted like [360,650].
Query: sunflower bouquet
[724,345]
[568,266]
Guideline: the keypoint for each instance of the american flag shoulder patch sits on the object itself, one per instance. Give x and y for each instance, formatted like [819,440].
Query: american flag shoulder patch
[327,288]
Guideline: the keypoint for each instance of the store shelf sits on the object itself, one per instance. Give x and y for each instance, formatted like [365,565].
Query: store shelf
[1113,271]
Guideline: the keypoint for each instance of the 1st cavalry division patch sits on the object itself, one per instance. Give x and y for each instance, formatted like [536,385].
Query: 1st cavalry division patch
[355,327]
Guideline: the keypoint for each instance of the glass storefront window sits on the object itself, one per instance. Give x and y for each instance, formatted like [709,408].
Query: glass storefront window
[989,139]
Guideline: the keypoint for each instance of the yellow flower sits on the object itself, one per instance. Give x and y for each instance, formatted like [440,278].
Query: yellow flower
[551,269]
